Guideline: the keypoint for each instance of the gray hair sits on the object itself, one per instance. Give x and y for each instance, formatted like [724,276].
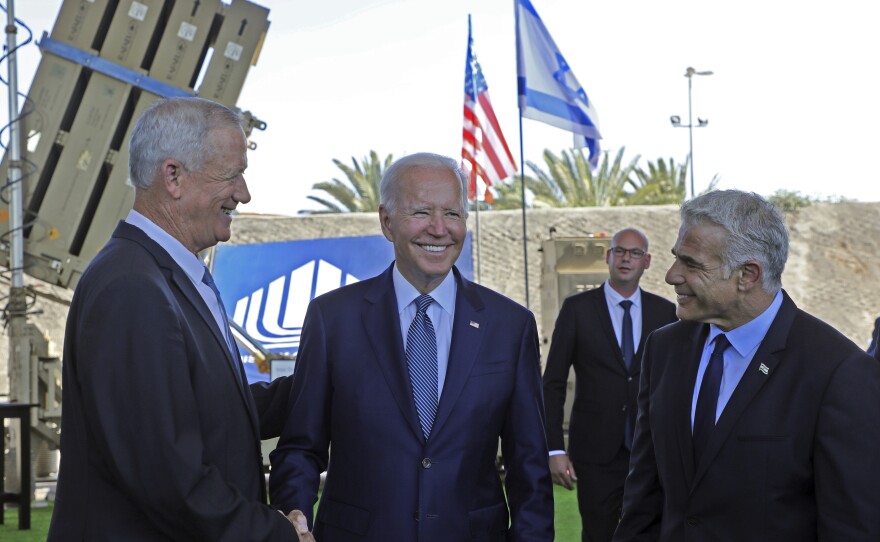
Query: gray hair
[176,128]
[755,231]
[389,186]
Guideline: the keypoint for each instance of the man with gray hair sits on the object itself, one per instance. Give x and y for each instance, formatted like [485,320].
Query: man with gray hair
[161,438]
[757,421]
[406,381]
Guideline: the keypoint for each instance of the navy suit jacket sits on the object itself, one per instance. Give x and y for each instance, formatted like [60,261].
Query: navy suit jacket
[351,393]
[795,453]
[605,390]
[160,437]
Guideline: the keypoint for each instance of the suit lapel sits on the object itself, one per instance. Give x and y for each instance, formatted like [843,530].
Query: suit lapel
[601,308]
[466,341]
[687,358]
[381,322]
[181,281]
[751,383]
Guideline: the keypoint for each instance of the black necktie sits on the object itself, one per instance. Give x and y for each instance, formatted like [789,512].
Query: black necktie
[707,401]
[626,348]
[626,333]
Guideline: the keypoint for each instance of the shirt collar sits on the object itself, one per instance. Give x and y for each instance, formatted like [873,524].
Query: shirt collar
[443,294]
[191,264]
[614,297]
[746,338]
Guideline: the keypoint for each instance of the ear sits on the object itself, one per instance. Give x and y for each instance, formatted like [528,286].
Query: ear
[385,223]
[647,260]
[172,170]
[751,274]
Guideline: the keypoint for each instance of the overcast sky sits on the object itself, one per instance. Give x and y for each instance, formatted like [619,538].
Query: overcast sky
[794,102]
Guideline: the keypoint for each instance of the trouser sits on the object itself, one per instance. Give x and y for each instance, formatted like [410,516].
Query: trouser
[600,496]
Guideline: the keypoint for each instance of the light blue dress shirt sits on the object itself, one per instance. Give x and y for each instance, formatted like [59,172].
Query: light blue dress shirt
[191,264]
[440,312]
[744,342]
[613,299]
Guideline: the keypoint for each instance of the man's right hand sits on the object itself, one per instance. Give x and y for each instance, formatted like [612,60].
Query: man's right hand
[298,519]
[562,471]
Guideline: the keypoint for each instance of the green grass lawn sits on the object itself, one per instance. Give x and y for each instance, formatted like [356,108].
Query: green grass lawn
[40,518]
[568,522]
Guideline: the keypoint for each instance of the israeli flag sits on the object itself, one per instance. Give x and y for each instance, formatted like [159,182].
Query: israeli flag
[548,90]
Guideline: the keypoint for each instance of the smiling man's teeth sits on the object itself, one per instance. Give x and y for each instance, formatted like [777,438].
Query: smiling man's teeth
[433,248]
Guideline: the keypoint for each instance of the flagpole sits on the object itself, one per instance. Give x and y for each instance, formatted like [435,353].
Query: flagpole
[522,172]
[474,158]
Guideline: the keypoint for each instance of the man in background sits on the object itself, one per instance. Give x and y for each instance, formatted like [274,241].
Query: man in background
[161,438]
[410,378]
[601,333]
[757,421]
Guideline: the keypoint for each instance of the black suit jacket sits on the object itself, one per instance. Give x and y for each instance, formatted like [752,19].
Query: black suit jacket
[795,453]
[605,391]
[160,439]
[352,393]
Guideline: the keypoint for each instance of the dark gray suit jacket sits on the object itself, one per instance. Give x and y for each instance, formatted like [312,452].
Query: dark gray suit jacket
[795,453]
[605,391]
[160,437]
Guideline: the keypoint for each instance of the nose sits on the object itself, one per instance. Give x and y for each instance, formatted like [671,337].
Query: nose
[437,225]
[241,194]
[673,275]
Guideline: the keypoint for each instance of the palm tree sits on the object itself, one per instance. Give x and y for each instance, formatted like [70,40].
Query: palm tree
[360,194]
[571,182]
[660,184]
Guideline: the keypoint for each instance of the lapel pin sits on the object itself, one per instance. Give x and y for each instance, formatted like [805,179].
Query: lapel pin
[475,324]
[764,369]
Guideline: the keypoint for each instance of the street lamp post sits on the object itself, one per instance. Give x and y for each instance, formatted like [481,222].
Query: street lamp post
[701,123]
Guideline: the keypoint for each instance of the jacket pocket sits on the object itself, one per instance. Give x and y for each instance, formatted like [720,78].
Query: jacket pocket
[486,521]
[344,516]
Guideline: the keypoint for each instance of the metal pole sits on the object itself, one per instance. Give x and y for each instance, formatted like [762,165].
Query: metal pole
[19,343]
[691,136]
[522,163]
[474,175]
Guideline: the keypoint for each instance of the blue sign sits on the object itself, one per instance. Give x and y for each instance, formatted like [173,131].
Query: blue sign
[268,286]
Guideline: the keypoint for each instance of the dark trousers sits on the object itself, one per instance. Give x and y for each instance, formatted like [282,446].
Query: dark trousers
[600,496]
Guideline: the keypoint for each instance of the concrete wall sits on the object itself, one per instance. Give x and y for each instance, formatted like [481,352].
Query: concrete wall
[833,269]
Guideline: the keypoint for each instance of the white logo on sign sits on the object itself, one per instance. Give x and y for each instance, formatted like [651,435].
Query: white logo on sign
[274,315]
[233,51]
[138,11]
[187,31]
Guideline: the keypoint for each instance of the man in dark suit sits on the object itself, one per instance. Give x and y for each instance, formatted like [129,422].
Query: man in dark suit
[410,378]
[874,347]
[160,438]
[756,420]
[590,336]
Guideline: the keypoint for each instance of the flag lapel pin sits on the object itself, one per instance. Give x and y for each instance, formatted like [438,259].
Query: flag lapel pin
[475,324]
[764,369]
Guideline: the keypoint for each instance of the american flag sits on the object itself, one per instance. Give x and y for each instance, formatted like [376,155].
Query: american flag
[484,151]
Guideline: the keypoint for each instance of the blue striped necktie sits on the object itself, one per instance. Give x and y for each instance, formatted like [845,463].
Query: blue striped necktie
[224,329]
[421,360]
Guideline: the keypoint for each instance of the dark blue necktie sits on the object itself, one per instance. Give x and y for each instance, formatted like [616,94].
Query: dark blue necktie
[707,401]
[224,329]
[421,360]
[626,348]
[626,333]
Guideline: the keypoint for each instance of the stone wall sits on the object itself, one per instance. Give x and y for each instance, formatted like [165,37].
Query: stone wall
[833,270]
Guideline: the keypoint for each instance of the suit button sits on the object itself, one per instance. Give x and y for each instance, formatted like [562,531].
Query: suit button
[629,379]
[426,463]
[624,408]
[692,521]
[416,515]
